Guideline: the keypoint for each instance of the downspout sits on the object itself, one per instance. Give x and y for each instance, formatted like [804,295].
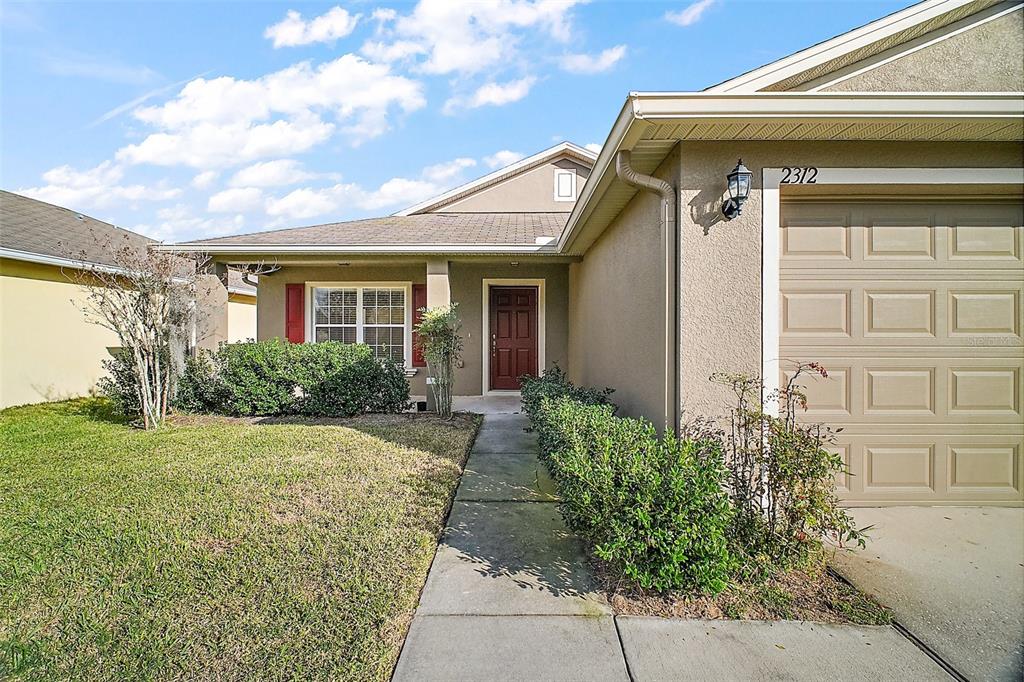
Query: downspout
[669,243]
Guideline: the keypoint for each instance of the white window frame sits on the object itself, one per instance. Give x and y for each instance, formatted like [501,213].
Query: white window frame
[572,175]
[771,218]
[360,324]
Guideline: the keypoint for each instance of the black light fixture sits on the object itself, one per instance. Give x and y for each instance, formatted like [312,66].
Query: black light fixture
[739,190]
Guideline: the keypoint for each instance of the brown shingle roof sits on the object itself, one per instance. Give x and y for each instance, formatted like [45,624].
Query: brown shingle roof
[36,227]
[424,229]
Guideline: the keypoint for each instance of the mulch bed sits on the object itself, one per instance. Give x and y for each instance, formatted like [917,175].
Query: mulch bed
[814,595]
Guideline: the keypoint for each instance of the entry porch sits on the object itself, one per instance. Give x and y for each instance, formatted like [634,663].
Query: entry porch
[514,313]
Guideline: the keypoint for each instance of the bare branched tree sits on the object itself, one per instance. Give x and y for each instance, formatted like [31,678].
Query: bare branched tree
[149,299]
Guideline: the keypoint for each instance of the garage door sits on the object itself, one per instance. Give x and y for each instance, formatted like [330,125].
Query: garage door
[915,309]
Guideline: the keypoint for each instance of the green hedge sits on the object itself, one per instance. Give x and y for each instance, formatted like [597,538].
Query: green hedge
[274,378]
[654,508]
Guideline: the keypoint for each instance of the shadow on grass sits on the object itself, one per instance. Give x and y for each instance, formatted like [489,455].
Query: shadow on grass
[98,409]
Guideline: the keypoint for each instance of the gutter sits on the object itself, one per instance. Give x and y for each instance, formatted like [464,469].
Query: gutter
[60,262]
[670,253]
[319,250]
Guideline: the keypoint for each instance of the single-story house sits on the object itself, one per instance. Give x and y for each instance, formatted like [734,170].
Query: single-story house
[48,350]
[879,233]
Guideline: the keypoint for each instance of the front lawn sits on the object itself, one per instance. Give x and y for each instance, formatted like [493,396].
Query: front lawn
[216,548]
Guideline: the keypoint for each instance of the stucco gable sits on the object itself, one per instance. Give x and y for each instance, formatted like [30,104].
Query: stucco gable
[983,57]
[877,40]
[531,191]
[526,186]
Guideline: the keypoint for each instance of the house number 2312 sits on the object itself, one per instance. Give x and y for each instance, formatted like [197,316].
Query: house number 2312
[807,175]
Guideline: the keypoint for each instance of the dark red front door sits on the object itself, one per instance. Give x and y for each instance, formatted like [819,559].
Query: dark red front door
[513,335]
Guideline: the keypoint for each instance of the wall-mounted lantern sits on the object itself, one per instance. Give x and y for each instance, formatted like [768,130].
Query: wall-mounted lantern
[739,190]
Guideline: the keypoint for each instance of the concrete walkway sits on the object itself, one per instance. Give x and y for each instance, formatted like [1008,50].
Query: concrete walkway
[510,597]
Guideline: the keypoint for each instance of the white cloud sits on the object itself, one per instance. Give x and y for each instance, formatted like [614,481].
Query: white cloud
[177,223]
[503,158]
[690,14]
[391,52]
[293,30]
[327,202]
[205,179]
[446,172]
[275,173]
[224,121]
[492,94]
[207,145]
[594,147]
[308,202]
[590,64]
[98,187]
[235,200]
[469,37]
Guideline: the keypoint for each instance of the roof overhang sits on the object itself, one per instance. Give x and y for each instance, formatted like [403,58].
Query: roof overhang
[651,124]
[359,249]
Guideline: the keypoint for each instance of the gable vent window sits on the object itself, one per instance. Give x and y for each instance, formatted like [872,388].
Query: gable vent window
[565,185]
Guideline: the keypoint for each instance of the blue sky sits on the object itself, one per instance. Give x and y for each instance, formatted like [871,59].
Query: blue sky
[191,120]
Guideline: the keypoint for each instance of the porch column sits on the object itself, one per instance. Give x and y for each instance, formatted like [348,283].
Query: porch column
[439,291]
[212,306]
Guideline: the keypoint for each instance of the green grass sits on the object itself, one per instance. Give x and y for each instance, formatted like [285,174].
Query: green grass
[220,549]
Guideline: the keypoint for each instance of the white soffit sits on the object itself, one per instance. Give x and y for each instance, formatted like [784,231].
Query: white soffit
[561,149]
[651,124]
[861,43]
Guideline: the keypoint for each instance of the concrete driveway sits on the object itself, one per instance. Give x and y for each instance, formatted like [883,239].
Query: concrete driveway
[954,577]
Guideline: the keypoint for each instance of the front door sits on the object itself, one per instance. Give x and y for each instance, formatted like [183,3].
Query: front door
[513,335]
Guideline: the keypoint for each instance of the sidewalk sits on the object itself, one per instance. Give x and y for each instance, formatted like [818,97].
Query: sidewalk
[510,597]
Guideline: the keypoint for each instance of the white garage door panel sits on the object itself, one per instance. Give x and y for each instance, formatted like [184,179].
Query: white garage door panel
[916,311]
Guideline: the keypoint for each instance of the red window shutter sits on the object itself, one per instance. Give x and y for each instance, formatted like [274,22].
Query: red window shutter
[294,312]
[419,300]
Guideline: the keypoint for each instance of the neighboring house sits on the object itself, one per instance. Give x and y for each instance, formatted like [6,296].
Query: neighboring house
[48,350]
[882,237]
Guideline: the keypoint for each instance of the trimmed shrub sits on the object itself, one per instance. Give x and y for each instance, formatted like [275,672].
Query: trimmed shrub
[554,384]
[199,388]
[327,379]
[258,378]
[654,508]
[338,379]
[121,386]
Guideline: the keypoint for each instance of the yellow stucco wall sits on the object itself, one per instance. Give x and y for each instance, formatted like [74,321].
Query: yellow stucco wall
[241,318]
[48,351]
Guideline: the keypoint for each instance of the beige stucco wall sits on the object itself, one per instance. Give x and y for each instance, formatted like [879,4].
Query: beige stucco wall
[617,308]
[48,351]
[466,282]
[986,58]
[241,318]
[467,290]
[531,191]
[720,323]
[270,311]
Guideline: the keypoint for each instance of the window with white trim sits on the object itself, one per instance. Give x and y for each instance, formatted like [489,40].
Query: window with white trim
[565,185]
[373,315]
